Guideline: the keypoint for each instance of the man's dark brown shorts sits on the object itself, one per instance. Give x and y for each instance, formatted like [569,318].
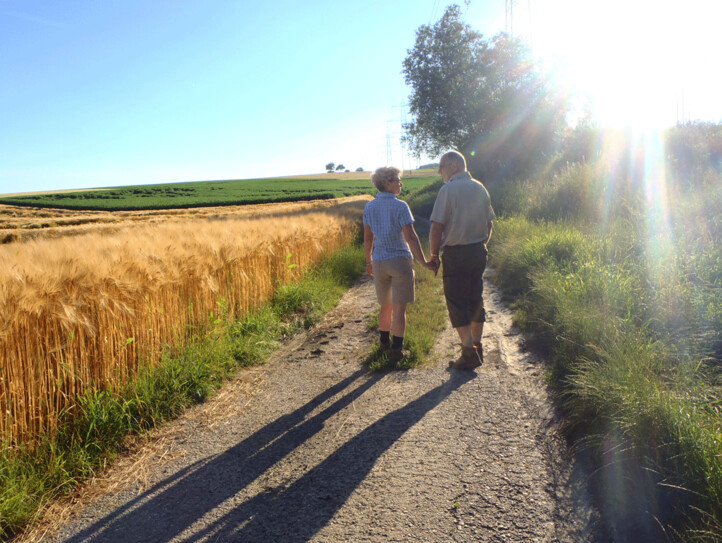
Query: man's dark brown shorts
[463,267]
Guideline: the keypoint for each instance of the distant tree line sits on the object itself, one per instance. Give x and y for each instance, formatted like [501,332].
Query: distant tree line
[331,167]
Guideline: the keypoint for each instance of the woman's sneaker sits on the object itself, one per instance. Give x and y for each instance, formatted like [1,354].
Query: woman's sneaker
[397,355]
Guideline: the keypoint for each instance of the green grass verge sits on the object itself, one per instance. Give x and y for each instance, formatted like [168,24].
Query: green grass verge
[93,432]
[633,360]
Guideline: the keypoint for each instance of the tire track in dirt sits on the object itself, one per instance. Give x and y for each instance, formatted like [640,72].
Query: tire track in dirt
[312,447]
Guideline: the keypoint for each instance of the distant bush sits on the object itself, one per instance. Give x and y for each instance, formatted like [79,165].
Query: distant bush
[693,148]
[422,201]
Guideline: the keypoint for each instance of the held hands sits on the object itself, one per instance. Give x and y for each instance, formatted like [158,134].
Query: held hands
[433,264]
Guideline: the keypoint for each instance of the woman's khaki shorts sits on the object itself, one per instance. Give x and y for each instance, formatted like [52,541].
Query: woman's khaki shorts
[394,281]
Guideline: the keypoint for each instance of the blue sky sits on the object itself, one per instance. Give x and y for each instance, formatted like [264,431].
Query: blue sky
[118,92]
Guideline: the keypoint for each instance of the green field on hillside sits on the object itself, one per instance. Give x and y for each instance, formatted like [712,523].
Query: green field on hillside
[217,193]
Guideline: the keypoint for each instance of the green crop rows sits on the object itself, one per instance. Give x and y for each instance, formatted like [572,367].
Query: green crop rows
[212,193]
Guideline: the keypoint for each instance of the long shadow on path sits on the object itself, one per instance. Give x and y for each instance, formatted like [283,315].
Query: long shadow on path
[172,505]
[297,513]
[292,514]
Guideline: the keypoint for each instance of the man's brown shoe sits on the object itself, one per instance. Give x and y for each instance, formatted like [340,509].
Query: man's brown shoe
[468,360]
[479,350]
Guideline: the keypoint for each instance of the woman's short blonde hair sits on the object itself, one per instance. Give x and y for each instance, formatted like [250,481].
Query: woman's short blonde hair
[384,175]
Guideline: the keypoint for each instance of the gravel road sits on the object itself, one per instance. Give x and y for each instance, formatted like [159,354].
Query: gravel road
[313,447]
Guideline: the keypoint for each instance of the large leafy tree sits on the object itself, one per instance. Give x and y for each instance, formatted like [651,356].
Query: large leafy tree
[488,99]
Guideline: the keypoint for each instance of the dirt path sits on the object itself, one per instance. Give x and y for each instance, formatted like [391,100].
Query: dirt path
[312,447]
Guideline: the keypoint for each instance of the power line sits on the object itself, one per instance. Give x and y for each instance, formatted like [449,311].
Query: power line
[509,17]
[433,11]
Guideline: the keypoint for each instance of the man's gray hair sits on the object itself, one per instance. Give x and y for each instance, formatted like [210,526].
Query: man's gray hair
[456,157]
[382,176]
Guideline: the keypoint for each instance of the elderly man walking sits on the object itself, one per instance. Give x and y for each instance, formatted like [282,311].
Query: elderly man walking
[461,224]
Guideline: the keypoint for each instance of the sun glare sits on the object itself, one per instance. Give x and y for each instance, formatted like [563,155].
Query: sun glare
[641,64]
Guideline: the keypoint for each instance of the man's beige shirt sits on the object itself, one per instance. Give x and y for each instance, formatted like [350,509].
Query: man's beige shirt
[464,208]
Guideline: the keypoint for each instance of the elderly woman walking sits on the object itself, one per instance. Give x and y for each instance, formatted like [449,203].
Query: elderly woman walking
[390,244]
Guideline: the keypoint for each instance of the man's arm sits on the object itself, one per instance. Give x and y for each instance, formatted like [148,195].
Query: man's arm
[435,237]
[435,241]
[490,226]
[368,248]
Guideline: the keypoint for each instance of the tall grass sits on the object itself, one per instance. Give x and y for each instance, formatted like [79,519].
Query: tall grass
[83,313]
[617,273]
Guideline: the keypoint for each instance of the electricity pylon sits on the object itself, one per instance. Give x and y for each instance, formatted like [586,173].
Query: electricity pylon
[509,6]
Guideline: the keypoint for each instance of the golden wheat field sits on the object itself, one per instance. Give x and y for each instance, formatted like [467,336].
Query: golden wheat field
[27,223]
[88,297]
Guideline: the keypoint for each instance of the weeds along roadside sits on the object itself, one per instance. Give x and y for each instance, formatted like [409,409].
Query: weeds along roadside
[93,431]
[629,308]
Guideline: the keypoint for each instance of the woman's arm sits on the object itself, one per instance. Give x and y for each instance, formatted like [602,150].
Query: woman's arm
[368,248]
[415,245]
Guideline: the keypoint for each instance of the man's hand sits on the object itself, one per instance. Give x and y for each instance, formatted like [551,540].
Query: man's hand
[429,265]
[370,268]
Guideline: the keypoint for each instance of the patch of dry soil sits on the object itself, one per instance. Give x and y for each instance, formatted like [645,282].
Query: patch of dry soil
[313,447]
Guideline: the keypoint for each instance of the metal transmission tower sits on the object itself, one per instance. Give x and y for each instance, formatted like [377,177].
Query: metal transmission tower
[509,16]
[680,106]
[526,27]
[402,121]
